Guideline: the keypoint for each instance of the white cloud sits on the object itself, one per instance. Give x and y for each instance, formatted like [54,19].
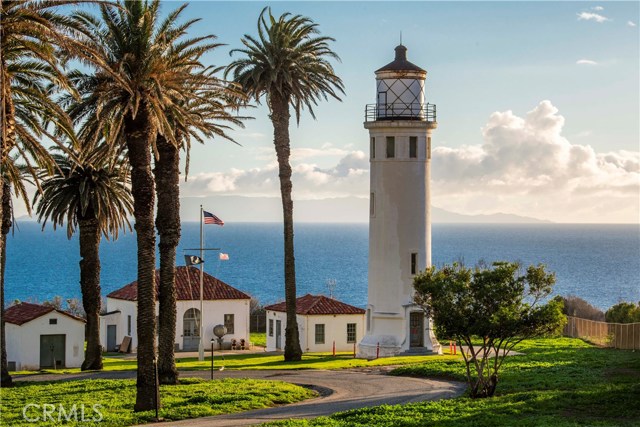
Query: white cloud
[590,16]
[586,62]
[598,8]
[349,177]
[526,166]
[631,23]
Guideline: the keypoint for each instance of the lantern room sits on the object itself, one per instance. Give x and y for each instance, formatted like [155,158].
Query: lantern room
[400,87]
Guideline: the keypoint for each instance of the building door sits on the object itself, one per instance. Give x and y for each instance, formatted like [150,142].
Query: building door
[416,329]
[191,330]
[278,334]
[52,351]
[111,337]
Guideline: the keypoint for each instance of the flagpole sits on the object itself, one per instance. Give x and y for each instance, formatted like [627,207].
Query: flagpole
[201,344]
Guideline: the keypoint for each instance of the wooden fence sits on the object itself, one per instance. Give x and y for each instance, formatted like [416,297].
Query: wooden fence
[624,336]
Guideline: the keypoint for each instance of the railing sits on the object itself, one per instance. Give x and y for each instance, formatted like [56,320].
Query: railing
[400,111]
[624,336]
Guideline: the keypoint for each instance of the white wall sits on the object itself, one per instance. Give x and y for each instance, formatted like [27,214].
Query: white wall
[127,308]
[335,330]
[214,312]
[271,338]
[23,342]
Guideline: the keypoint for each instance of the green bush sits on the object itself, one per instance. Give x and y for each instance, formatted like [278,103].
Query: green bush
[624,312]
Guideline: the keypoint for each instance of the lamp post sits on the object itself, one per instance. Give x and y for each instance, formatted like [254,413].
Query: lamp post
[212,340]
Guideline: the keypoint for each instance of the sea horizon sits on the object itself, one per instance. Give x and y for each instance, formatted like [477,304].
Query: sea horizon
[585,258]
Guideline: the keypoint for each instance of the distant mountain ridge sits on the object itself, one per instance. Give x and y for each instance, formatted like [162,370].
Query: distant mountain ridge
[345,209]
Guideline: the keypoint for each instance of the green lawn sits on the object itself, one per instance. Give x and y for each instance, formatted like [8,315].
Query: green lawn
[192,398]
[259,338]
[261,361]
[557,382]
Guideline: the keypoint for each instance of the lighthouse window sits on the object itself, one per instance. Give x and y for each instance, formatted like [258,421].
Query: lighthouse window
[391,147]
[414,263]
[413,147]
[428,147]
[373,148]
[372,205]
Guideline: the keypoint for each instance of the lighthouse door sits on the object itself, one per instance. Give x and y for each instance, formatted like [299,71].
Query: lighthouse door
[416,329]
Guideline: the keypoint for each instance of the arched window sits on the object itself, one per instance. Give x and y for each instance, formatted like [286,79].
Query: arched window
[191,323]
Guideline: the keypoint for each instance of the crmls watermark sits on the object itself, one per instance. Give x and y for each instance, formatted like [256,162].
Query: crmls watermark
[34,413]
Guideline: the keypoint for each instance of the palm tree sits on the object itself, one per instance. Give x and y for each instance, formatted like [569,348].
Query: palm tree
[12,175]
[288,65]
[145,64]
[208,109]
[32,37]
[93,197]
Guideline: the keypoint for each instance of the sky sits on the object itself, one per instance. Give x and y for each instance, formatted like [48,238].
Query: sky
[538,106]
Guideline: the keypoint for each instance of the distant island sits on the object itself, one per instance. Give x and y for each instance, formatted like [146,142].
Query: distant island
[344,209]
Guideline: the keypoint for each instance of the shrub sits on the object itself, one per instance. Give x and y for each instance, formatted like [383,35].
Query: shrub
[577,307]
[623,312]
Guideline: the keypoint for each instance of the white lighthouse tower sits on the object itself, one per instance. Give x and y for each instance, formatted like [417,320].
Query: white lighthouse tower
[400,126]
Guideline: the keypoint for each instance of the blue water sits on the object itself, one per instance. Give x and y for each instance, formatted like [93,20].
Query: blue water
[600,263]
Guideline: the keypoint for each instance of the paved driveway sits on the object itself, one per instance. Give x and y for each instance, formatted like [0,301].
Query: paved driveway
[340,390]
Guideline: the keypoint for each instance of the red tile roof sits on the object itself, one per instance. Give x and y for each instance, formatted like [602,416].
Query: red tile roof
[187,287]
[25,312]
[318,304]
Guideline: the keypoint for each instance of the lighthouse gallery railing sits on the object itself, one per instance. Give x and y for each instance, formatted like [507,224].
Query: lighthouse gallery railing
[400,111]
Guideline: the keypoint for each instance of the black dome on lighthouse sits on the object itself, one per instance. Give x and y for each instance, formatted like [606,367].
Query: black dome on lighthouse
[400,63]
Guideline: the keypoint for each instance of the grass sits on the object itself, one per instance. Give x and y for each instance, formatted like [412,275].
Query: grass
[192,398]
[257,361]
[258,338]
[557,382]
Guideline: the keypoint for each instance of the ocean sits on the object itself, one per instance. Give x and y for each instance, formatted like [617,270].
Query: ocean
[600,263]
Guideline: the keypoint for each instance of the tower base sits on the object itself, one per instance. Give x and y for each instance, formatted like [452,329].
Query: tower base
[375,346]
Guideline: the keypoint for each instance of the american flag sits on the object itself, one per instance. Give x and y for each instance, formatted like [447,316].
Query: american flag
[210,218]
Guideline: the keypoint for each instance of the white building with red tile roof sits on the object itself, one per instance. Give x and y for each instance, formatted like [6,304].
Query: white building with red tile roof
[223,305]
[39,336]
[322,322]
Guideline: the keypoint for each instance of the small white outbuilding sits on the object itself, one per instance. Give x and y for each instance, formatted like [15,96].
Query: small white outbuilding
[322,323]
[39,336]
[222,305]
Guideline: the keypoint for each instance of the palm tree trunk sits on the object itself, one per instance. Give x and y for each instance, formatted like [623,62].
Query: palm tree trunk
[167,174]
[5,190]
[280,118]
[8,125]
[139,134]
[90,286]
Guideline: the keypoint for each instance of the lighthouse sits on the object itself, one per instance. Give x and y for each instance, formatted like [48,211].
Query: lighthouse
[400,125]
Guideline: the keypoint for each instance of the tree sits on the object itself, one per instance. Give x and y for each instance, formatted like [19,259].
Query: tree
[208,109]
[91,196]
[31,34]
[12,179]
[623,312]
[578,307]
[136,94]
[288,64]
[488,310]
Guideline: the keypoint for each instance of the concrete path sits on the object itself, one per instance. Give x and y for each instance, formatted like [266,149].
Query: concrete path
[339,390]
